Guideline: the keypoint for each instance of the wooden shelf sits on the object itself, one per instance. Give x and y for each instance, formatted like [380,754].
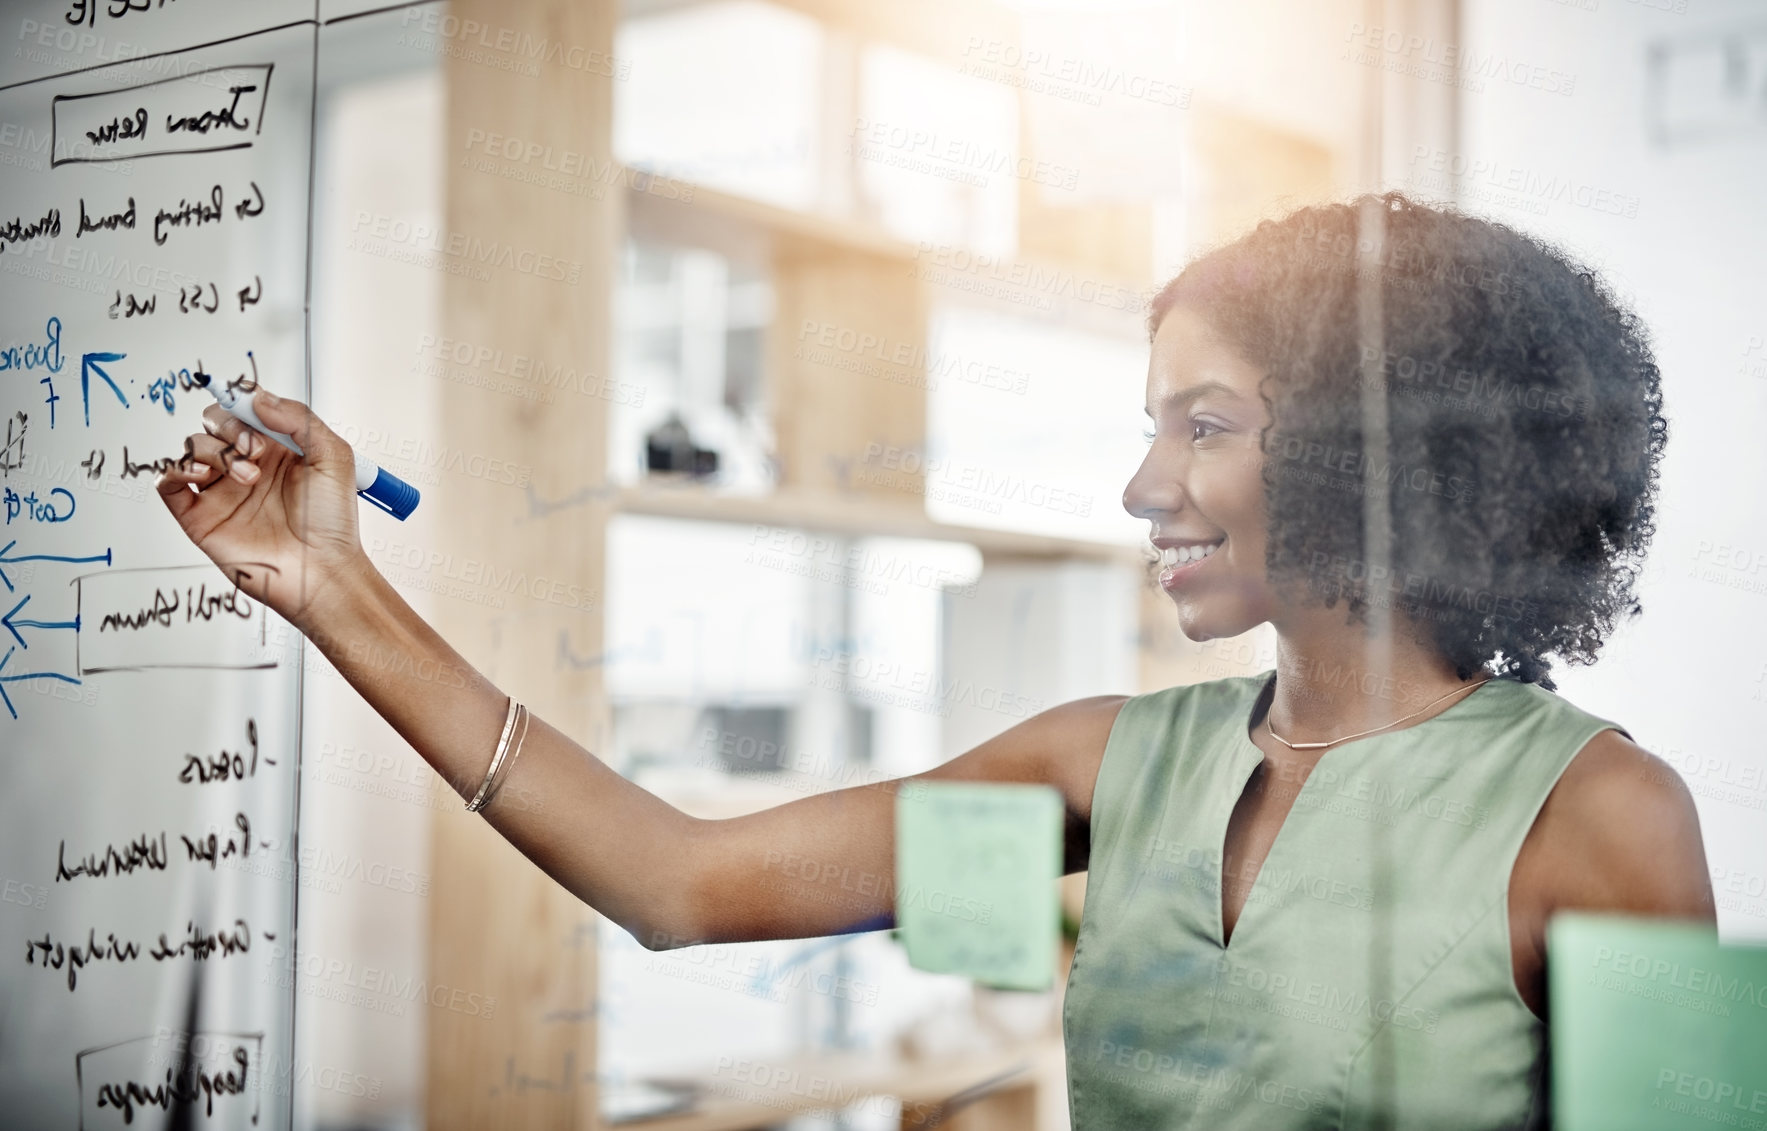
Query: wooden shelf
[752,231]
[681,211]
[856,516]
[806,1084]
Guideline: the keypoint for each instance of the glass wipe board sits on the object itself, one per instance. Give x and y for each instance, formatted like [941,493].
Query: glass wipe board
[155,167]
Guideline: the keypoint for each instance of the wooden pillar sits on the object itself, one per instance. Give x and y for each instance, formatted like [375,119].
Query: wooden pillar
[848,355]
[1253,172]
[532,226]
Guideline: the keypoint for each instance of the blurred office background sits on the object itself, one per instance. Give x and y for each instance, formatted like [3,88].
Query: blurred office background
[775,368]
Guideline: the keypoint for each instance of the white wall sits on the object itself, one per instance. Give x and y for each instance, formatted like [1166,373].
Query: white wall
[1689,678]
[366,796]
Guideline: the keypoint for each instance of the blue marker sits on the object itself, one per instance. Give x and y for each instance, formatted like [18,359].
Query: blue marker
[380,487]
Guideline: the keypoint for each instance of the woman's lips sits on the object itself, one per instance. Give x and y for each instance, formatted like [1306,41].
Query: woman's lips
[1179,573]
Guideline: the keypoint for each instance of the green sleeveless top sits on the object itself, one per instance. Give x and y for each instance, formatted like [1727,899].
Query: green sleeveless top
[1368,982]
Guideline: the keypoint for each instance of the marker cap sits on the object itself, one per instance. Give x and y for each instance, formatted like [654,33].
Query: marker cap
[391,494]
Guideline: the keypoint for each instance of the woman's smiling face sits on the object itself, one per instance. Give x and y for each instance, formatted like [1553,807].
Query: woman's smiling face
[1201,483]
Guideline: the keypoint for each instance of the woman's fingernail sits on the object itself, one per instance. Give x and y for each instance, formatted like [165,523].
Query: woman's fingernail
[244,472]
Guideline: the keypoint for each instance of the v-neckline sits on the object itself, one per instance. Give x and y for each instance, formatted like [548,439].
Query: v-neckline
[1245,745]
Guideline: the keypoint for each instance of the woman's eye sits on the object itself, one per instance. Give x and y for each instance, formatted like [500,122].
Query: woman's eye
[1202,429]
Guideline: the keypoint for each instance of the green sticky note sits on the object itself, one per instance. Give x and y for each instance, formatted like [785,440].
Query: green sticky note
[976,866]
[1654,1025]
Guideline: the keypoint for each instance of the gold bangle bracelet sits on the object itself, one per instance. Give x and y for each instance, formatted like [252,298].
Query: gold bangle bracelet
[515,751]
[484,792]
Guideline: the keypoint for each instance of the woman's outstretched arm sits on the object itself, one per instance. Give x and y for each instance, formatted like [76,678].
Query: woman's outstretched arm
[285,530]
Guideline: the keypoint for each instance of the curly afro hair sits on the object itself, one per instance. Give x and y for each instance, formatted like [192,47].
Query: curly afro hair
[1523,424]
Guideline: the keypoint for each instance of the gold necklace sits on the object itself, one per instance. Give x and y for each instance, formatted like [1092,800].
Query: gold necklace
[1388,726]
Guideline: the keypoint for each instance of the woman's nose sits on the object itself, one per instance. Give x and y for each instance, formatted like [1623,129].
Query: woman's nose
[1155,488]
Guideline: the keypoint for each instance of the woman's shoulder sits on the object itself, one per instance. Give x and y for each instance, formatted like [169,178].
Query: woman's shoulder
[1197,709]
[1207,694]
[1099,715]
[1620,832]
[1069,741]
[1512,700]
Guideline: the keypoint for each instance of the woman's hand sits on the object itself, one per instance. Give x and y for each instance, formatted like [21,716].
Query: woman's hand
[282,528]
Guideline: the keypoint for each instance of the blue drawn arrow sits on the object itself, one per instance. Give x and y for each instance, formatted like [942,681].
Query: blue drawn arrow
[764,980]
[6,679]
[13,626]
[652,650]
[6,561]
[540,508]
[88,366]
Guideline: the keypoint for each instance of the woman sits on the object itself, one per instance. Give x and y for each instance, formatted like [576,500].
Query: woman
[1424,448]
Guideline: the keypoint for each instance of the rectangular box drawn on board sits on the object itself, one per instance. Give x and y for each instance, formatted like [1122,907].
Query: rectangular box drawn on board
[173,617]
[1705,87]
[202,112]
[219,1070]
